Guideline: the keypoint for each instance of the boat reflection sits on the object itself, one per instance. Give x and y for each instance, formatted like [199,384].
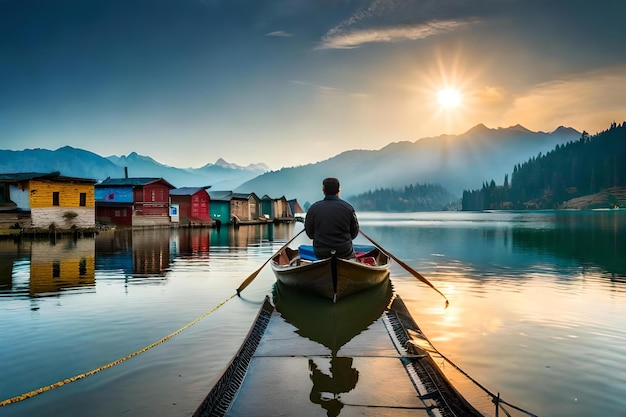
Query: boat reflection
[332,325]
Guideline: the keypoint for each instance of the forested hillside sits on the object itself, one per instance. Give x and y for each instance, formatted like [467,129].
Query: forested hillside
[590,165]
[418,197]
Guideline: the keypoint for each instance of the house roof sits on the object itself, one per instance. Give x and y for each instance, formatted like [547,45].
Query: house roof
[27,176]
[267,197]
[220,195]
[131,182]
[229,195]
[245,196]
[187,190]
[295,206]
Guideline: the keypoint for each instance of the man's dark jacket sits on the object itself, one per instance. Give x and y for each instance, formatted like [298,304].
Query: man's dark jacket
[332,224]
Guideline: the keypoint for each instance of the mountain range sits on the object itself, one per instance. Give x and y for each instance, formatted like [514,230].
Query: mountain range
[73,162]
[456,162]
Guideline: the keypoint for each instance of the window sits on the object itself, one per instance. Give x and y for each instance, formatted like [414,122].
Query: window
[56,269]
[152,195]
[4,193]
[83,200]
[55,198]
[82,267]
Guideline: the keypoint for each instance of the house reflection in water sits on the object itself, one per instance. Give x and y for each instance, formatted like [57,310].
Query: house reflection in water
[245,236]
[248,235]
[63,264]
[190,242]
[151,252]
[9,254]
[136,252]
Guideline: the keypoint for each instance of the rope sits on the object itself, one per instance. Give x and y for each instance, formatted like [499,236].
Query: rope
[110,364]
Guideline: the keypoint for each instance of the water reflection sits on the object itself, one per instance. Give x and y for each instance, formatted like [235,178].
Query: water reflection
[511,241]
[10,255]
[44,267]
[137,253]
[245,236]
[332,325]
[61,264]
[341,379]
[588,237]
[191,243]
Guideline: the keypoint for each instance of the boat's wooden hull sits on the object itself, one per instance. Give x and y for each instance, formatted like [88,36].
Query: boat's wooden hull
[317,277]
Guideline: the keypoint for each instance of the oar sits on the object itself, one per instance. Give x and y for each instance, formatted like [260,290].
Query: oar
[405,266]
[255,273]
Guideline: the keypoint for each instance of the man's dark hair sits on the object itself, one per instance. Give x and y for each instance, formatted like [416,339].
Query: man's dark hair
[331,186]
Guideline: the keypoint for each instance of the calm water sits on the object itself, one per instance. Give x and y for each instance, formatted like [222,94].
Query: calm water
[537,307]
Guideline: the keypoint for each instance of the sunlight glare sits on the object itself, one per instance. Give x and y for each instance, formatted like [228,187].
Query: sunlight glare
[449,98]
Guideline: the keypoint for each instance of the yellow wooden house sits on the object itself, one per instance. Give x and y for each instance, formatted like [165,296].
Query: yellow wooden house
[51,199]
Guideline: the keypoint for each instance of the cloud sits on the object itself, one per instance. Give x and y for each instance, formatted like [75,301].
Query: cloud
[353,38]
[279,34]
[321,88]
[490,95]
[589,101]
[386,21]
[324,89]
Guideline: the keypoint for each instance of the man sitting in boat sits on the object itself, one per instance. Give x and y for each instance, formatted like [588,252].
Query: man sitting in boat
[332,223]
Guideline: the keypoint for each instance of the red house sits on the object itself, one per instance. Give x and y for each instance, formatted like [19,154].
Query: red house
[133,201]
[193,205]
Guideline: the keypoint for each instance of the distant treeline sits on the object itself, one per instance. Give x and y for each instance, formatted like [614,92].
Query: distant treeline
[418,197]
[578,168]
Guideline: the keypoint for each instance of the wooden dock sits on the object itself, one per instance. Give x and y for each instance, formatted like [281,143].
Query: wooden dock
[299,360]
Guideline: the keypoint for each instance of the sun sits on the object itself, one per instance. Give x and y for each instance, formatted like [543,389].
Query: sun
[446,88]
[449,98]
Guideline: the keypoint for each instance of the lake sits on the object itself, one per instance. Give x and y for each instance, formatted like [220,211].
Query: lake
[537,307]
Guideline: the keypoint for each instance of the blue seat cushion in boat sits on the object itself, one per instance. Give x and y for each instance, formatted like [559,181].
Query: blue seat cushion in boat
[306,251]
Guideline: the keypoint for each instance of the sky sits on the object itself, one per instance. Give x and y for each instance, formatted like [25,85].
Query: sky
[292,82]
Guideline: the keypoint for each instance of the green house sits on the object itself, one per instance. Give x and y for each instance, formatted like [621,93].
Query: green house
[219,210]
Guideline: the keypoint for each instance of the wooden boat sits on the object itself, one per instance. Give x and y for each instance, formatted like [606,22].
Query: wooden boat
[333,277]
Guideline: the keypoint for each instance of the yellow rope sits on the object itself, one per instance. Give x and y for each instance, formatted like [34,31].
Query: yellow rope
[110,364]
